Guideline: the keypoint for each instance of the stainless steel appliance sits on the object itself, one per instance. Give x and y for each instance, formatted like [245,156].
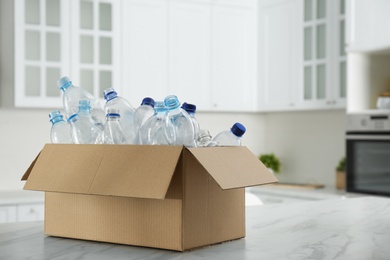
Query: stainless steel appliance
[368,153]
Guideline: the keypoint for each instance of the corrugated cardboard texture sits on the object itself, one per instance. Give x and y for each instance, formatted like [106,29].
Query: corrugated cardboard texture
[116,170]
[143,222]
[233,167]
[211,215]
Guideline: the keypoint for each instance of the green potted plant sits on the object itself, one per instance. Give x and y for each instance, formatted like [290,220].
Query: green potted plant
[340,174]
[271,161]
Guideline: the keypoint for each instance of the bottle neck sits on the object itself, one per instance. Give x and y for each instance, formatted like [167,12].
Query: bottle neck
[66,86]
[57,120]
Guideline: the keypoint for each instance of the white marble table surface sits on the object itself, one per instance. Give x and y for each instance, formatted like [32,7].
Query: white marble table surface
[352,228]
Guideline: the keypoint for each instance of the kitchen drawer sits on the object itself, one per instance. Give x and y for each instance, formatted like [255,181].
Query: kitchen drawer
[7,214]
[30,212]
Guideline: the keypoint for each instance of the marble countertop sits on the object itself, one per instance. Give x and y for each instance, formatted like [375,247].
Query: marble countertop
[350,228]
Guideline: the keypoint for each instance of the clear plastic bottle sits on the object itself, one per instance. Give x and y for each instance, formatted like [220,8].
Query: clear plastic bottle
[83,130]
[85,112]
[113,101]
[72,96]
[191,110]
[230,137]
[181,120]
[113,133]
[205,139]
[60,130]
[155,131]
[143,112]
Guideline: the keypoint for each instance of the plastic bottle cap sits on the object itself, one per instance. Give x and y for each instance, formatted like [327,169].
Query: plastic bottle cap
[109,94]
[190,108]
[64,82]
[238,129]
[171,102]
[148,101]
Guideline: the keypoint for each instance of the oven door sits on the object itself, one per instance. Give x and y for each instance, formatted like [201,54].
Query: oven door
[368,163]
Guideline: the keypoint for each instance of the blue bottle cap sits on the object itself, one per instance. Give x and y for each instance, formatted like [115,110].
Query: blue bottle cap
[109,94]
[148,101]
[238,129]
[171,102]
[64,83]
[190,108]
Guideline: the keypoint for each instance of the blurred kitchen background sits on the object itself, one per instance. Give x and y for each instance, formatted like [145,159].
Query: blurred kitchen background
[289,70]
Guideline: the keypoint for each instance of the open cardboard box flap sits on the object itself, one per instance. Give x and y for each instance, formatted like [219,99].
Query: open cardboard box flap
[136,170]
[233,167]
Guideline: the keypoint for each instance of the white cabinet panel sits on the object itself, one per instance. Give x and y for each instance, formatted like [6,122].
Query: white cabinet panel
[145,50]
[367,25]
[30,212]
[233,58]
[7,214]
[279,54]
[189,52]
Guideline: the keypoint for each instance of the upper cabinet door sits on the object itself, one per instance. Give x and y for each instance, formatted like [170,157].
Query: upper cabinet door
[234,59]
[41,51]
[95,39]
[279,52]
[145,50]
[367,25]
[189,52]
[324,59]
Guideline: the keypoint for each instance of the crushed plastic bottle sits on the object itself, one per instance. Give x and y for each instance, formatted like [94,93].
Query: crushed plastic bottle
[113,101]
[112,132]
[60,130]
[72,96]
[85,112]
[155,131]
[181,121]
[205,139]
[191,110]
[230,137]
[83,130]
[143,112]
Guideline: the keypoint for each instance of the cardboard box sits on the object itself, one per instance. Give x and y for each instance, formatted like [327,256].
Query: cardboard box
[167,197]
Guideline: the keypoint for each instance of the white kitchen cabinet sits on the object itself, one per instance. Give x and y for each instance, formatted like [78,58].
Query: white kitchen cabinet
[30,212]
[41,56]
[309,72]
[367,25]
[7,213]
[324,58]
[203,51]
[190,51]
[233,56]
[279,53]
[145,50]
[53,39]
[95,41]
[21,205]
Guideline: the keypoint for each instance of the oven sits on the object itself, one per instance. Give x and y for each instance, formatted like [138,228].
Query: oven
[368,153]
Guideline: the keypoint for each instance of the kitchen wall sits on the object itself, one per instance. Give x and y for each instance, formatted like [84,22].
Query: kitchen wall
[368,76]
